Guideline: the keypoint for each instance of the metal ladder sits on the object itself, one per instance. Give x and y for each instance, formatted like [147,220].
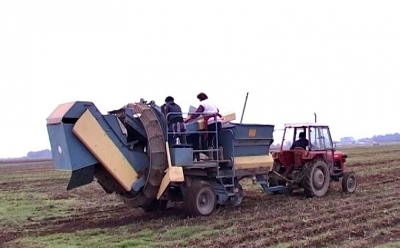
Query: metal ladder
[228,173]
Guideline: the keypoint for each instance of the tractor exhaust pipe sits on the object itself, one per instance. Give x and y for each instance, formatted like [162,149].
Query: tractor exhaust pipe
[315,117]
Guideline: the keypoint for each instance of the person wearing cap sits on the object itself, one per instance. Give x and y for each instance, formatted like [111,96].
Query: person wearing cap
[213,120]
[175,122]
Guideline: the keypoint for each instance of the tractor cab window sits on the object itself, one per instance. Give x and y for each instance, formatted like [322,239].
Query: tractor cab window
[301,133]
[325,135]
[320,138]
[288,138]
[315,141]
[295,137]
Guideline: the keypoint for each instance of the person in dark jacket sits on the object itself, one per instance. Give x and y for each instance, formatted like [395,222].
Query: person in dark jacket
[301,142]
[175,122]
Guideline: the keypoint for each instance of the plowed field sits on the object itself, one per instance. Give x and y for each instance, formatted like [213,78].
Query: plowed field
[37,211]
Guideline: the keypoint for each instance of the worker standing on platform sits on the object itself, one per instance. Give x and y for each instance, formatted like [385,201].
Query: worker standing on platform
[213,121]
[175,122]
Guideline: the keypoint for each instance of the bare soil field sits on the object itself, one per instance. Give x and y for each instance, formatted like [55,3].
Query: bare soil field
[37,211]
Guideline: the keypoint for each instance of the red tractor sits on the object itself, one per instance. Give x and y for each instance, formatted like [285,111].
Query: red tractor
[310,162]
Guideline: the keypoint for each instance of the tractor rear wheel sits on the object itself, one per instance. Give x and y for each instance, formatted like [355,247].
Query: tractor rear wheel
[349,182]
[200,199]
[316,178]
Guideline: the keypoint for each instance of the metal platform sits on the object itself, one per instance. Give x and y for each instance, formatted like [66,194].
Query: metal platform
[206,164]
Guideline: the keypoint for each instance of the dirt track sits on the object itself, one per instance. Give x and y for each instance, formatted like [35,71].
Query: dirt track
[367,218]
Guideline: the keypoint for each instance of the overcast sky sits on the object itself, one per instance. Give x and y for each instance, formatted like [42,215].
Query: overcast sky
[340,59]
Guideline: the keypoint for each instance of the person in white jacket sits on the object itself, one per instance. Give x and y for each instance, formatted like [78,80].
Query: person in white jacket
[211,115]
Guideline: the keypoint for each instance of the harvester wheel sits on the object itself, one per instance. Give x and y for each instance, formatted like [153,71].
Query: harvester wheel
[200,199]
[236,200]
[349,182]
[316,178]
[156,205]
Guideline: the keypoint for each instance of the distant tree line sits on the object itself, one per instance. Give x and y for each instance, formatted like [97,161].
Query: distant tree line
[395,137]
[39,154]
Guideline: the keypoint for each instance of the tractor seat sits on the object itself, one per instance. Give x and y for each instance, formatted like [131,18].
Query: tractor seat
[298,154]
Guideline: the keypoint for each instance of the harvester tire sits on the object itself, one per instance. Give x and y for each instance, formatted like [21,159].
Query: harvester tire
[349,182]
[200,199]
[236,200]
[316,178]
[156,205]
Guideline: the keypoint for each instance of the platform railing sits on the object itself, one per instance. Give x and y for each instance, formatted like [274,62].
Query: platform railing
[170,132]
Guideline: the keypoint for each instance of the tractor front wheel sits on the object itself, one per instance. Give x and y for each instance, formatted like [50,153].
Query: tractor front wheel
[200,199]
[349,182]
[316,178]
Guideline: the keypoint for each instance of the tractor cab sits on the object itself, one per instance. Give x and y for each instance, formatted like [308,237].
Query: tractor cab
[304,141]
[317,137]
[319,142]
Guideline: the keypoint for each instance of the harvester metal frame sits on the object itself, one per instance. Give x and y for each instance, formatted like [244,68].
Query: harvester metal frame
[206,183]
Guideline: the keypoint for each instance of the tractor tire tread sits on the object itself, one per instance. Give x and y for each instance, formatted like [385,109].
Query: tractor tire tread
[346,176]
[307,176]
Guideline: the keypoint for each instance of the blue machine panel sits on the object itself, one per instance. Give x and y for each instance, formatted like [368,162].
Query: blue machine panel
[65,146]
[182,156]
[138,160]
[241,140]
[193,126]
[134,123]
[114,124]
